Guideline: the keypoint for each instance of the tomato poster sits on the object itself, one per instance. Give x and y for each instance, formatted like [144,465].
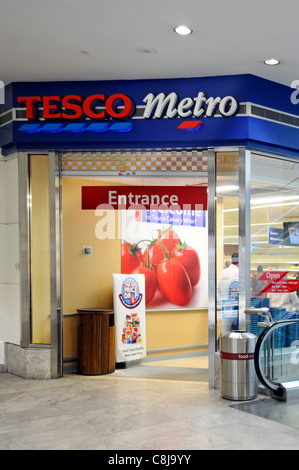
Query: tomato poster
[170,248]
[129,316]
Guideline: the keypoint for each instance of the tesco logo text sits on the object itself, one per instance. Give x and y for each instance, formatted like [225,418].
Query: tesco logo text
[117,106]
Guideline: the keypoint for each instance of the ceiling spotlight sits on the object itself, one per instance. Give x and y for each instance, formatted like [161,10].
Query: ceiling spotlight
[146,50]
[271,61]
[183,30]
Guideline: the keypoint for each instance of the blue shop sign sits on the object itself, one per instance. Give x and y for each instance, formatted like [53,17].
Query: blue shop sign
[236,110]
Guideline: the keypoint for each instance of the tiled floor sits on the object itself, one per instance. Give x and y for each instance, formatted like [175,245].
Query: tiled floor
[163,405]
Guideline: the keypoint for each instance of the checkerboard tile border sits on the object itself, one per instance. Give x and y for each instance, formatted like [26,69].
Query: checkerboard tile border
[137,161]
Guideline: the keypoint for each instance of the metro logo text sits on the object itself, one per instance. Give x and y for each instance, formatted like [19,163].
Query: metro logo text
[171,106]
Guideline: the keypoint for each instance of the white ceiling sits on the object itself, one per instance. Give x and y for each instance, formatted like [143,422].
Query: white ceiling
[43,39]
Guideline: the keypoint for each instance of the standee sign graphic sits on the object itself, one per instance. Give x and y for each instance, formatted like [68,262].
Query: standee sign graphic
[102,110]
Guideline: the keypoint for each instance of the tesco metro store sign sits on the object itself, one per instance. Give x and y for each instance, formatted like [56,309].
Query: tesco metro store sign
[119,106]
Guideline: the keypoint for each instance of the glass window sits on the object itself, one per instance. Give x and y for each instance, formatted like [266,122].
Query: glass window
[274,237]
[278,355]
[40,287]
[227,240]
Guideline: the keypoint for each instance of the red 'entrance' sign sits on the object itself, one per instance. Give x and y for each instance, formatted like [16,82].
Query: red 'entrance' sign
[145,197]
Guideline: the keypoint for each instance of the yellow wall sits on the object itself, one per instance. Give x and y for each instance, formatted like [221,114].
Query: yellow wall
[176,329]
[87,280]
[40,250]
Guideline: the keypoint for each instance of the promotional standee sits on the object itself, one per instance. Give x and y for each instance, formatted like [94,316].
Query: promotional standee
[129,317]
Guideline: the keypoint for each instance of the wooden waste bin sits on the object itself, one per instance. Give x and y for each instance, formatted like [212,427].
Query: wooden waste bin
[96,342]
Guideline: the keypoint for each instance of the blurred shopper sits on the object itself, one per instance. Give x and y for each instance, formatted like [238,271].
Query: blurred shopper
[227,277]
[286,300]
[256,285]
[228,295]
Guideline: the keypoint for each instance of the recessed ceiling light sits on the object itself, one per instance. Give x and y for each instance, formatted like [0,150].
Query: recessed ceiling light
[271,61]
[183,30]
[85,53]
[146,50]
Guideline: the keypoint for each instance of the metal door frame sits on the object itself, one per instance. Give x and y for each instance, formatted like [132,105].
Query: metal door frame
[244,251]
[56,251]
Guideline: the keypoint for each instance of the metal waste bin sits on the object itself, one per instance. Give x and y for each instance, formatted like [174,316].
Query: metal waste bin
[237,372]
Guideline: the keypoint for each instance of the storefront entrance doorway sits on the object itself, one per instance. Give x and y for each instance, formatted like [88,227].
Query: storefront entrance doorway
[92,242]
[86,244]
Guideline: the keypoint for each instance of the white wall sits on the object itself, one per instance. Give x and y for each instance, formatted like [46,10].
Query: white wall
[10,324]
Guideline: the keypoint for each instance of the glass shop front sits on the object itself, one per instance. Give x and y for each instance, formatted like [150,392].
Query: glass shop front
[213,225]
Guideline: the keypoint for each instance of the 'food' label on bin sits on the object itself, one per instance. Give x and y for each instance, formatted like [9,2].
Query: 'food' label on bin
[236,356]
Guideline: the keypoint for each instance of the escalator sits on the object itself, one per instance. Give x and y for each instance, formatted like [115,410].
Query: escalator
[276,356]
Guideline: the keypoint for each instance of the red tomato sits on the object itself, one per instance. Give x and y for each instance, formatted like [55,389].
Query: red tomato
[130,257]
[151,283]
[189,258]
[153,254]
[174,281]
[169,239]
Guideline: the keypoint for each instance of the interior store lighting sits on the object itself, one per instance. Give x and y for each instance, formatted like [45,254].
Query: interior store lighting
[227,188]
[266,200]
[253,225]
[276,205]
[265,206]
[251,236]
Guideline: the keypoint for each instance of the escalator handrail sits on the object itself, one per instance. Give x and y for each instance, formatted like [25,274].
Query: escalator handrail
[276,388]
